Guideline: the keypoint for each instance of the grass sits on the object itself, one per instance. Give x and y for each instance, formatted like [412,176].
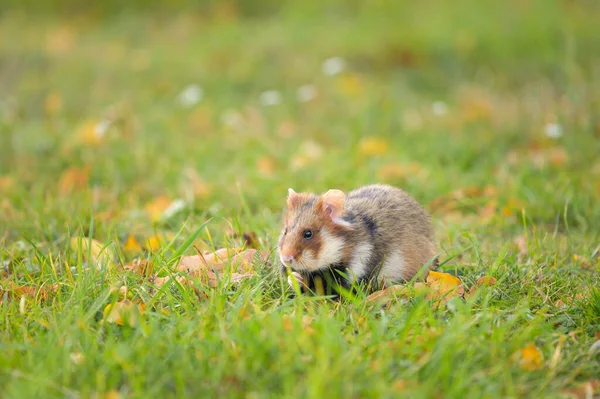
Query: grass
[505,198]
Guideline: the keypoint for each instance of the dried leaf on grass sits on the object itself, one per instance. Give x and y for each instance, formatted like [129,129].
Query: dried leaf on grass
[73,179]
[234,265]
[530,358]
[485,281]
[14,289]
[439,288]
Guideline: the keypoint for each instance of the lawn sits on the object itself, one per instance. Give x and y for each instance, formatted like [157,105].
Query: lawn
[132,135]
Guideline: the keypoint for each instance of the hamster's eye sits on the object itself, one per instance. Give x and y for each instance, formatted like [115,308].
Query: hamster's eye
[307,234]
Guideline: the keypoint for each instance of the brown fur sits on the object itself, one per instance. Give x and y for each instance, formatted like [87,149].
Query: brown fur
[382,221]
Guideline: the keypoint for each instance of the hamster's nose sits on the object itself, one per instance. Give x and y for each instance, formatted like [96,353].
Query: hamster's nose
[287,258]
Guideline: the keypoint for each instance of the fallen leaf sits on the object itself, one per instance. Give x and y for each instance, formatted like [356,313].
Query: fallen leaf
[249,237]
[53,104]
[73,179]
[486,281]
[387,293]
[124,313]
[157,241]
[530,358]
[444,286]
[397,171]
[6,183]
[350,84]
[101,255]
[16,290]
[132,245]
[157,207]
[112,394]
[142,267]
[265,167]
[373,146]
[92,132]
[60,40]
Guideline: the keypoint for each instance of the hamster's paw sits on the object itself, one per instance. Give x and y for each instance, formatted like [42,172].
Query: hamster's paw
[299,279]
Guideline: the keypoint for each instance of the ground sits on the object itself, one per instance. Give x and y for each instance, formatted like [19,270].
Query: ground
[135,127]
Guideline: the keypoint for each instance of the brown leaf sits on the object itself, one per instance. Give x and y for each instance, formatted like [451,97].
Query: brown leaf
[16,290]
[142,267]
[387,293]
[486,281]
[73,179]
[265,167]
[6,183]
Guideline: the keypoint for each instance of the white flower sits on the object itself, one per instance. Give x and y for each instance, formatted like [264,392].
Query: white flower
[191,95]
[101,128]
[176,206]
[439,108]
[554,130]
[270,97]
[332,66]
[306,93]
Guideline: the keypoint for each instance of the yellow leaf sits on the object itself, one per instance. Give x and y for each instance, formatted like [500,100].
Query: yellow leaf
[157,207]
[123,313]
[444,286]
[373,146]
[265,167]
[60,40]
[396,170]
[155,242]
[53,104]
[132,245]
[6,183]
[113,394]
[101,255]
[91,132]
[531,358]
[72,179]
[350,84]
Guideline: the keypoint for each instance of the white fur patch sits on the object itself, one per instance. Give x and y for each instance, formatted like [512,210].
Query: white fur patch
[331,250]
[360,257]
[392,269]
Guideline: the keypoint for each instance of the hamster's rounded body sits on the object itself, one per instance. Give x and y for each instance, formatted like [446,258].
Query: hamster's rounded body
[375,231]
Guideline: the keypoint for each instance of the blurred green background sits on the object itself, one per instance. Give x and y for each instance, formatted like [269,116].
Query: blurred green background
[135,122]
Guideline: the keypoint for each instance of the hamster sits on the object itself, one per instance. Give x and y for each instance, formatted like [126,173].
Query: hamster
[376,232]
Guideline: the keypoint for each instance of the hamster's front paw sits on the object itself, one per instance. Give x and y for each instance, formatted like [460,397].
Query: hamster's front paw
[299,279]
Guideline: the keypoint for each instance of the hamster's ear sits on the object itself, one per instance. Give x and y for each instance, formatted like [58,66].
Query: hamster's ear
[333,207]
[293,198]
